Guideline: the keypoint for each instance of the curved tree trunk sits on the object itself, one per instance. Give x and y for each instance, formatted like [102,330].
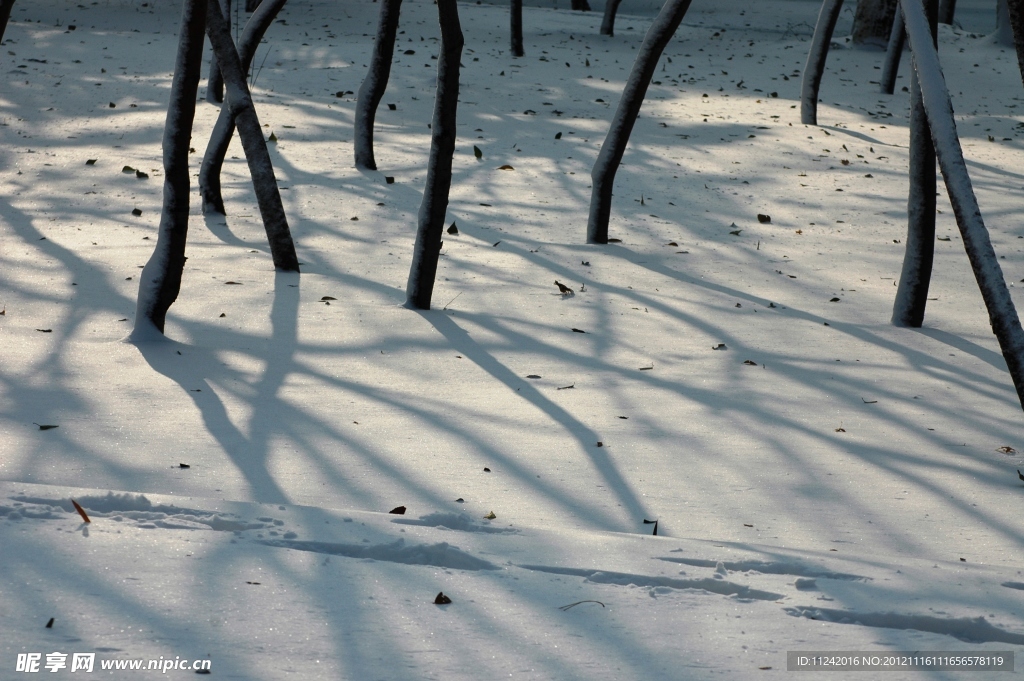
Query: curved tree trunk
[5,16]
[912,294]
[872,21]
[161,277]
[220,138]
[214,81]
[1001,312]
[607,163]
[425,252]
[516,27]
[608,22]
[947,8]
[376,81]
[262,170]
[815,67]
[893,54]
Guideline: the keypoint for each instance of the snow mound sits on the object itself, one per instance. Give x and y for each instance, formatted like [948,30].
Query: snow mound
[439,555]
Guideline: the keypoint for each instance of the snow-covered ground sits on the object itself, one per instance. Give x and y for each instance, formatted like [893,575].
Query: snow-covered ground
[821,479]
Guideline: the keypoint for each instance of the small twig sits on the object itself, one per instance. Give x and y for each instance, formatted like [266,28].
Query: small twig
[81,511]
[257,76]
[451,301]
[563,608]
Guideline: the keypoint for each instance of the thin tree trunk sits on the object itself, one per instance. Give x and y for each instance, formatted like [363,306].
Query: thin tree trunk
[893,54]
[220,138]
[161,277]
[912,293]
[256,154]
[603,174]
[815,67]
[376,81]
[872,21]
[1004,32]
[947,8]
[1016,8]
[581,5]
[5,16]
[215,82]
[439,167]
[1001,311]
[608,21]
[516,25]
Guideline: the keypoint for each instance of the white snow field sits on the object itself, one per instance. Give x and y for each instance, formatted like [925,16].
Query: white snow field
[822,480]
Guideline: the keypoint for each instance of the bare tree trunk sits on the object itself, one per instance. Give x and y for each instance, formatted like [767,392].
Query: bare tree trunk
[5,16]
[872,21]
[607,163]
[947,8]
[256,154]
[516,25]
[220,138]
[608,21]
[376,81]
[1004,31]
[1016,10]
[425,253]
[215,82]
[252,5]
[912,294]
[893,54]
[1001,312]
[161,277]
[815,67]
[581,5]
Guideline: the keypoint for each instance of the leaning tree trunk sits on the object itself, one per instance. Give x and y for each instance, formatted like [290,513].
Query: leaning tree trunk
[5,16]
[603,174]
[220,138]
[1001,312]
[425,252]
[872,21]
[608,21]
[161,277]
[947,8]
[893,54]
[1016,9]
[256,154]
[912,293]
[815,67]
[516,27]
[215,81]
[376,81]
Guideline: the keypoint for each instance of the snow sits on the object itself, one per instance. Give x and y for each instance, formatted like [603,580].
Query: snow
[853,487]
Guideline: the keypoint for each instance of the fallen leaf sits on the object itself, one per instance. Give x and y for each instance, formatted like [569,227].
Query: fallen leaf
[127,169]
[49,625]
[567,387]
[253,583]
[600,444]
[868,401]
[236,283]
[506,167]
[91,162]
[672,243]
[834,300]
[736,232]
[409,52]
[579,330]
[532,376]
[487,470]
[398,510]
[389,179]
[840,430]
[615,241]
[476,152]
[558,135]
[45,330]
[44,426]
[141,175]
[453,229]
[391,107]
[136,212]
[1006,449]
[652,522]
[490,516]
[720,346]
[184,465]
[750,362]
[441,599]
[762,218]
[272,138]
[328,298]
[81,511]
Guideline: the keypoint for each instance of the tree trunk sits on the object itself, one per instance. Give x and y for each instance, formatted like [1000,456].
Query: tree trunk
[608,22]
[1016,10]
[1004,31]
[220,138]
[581,5]
[215,82]
[252,5]
[947,8]
[872,22]
[815,67]
[603,174]
[5,16]
[256,154]
[1001,311]
[439,167]
[376,81]
[912,294]
[893,54]
[516,25]
[161,277]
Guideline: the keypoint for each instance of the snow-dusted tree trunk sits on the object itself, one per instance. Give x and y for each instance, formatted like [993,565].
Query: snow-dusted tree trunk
[239,101]
[893,54]
[608,21]
[214,81]
[1004,33]
[1016,9]
[912,293]
[161,277]
[220,138]
[425,252]
[872,21]
[815,67]
[376,81]
[1001,311]
[947,8]
[5,16]
[607,163]
[515,11]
